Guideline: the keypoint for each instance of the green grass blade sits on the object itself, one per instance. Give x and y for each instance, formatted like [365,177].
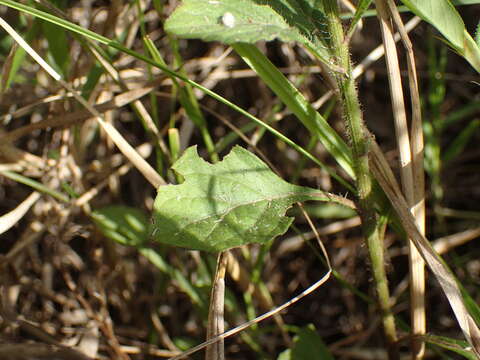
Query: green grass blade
[361,9]
[58,46]
[35,185]
[183,283]
[459,143]
[174,142]
[92,79]
[192,108]
[153,98]
[55,20]
[457,346]
[20,54]
[462,113]
[10,67]
[129,227]
[297,103]
[189,102]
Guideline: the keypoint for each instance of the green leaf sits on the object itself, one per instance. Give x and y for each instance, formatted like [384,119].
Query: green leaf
[285,355]
[219,206]
[465,2]
[308,345]
[445,18]
[326,211]
[230,22]
[124,224]
[58,46]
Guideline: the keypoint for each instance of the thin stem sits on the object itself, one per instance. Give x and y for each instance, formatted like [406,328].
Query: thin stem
[359,141]
[216,325]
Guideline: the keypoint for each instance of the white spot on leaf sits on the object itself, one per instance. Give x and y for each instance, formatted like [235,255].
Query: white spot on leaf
[228,20]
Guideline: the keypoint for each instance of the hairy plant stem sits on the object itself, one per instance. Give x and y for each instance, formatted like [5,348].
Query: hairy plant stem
[359,140]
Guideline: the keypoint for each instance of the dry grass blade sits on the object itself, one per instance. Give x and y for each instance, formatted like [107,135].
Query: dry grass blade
[144,150]
[216,351]
[24,110]
[416,272]
[418,204]
[138,161]
[446,243]
[258,319]
[38,352]
[78,116]
[268,314]
[10,219]
[19,157]
[386,179]
[144,167]
[379,51]
[31,234]
[416,132]
[137,104]
[397,97]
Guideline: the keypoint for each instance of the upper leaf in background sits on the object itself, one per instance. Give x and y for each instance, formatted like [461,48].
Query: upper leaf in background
[249,21]
[445,18]
[219,206]
[441,14]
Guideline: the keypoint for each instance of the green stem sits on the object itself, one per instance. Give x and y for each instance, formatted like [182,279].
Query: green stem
[359,140]
[298,105]
[35,185]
